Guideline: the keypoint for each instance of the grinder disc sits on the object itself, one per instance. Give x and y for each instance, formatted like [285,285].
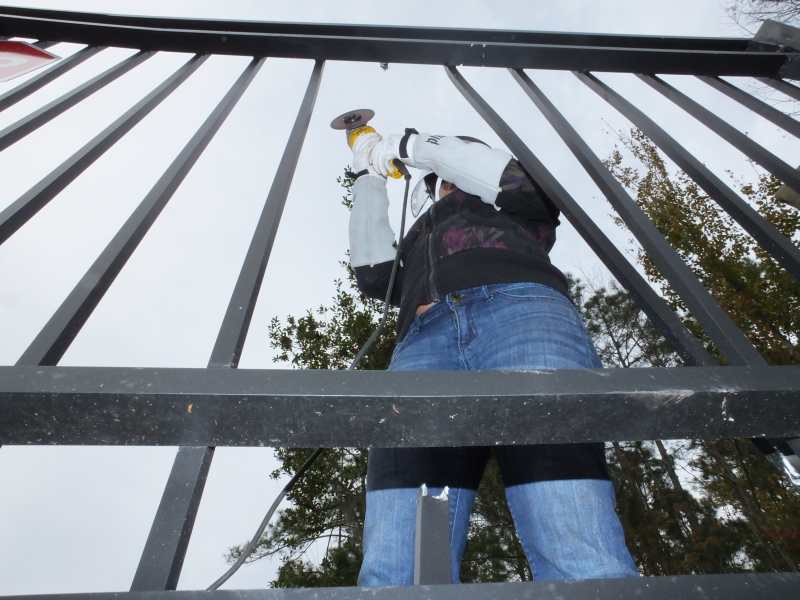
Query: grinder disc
[353,119]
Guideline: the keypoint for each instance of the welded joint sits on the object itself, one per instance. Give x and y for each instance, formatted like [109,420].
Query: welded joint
[782,38]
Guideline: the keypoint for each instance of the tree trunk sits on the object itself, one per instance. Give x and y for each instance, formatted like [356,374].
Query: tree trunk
[752,514]
[669,465]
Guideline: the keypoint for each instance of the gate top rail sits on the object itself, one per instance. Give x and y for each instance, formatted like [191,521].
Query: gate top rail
[420,45]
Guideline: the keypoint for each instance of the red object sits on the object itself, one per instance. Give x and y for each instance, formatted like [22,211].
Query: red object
[18,58]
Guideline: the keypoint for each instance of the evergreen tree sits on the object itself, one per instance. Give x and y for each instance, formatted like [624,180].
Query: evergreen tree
[756,503]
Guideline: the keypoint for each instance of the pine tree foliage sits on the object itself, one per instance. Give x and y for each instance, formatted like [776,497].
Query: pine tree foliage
[758,294]
[747,506]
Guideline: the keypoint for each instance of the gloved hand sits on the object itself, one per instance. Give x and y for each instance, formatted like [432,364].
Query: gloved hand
[362,147]
[384,152]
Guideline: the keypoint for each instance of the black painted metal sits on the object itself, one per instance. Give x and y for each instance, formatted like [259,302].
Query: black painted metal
[432,540]
[25,89]
[778,245]
[230,340]
[165,550]
[379,31]
[45,44]
[761,586]
[222,405]
[166,546]
[26,125]
[56,336]
[729,338]
[733,136]
[653,305]
[732,342]
[240,407]
[760,107]
[782,86]
[17,214]
[783,37]
[390,44]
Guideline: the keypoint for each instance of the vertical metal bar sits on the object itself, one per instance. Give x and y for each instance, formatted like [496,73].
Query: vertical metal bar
[432,540]
[782,86]
[230,340]
[660,314]
[17,214]
[26,125]
[730,134]
[718,325]
[764,232]
[53,340]
[701,174]
[165,550]
[24,90]
[760,107]
[168,540]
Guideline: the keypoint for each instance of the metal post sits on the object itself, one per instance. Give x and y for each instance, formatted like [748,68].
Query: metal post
[432,539]
[162,559]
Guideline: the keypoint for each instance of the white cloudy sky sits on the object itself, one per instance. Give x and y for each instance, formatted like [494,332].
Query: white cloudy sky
[76,519]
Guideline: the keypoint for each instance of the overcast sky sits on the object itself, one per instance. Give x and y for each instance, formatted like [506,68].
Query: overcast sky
[76,519]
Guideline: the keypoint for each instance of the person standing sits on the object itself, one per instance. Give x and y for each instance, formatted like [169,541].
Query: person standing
[476,290]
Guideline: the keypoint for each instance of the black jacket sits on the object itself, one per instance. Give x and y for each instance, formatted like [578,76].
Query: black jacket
[462,242]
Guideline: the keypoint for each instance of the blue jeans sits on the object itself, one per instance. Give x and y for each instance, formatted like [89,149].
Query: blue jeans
[568,528]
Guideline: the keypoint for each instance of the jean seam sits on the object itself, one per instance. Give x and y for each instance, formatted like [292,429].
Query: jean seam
[461,355]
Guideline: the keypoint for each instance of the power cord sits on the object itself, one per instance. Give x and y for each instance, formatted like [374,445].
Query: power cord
[251,545]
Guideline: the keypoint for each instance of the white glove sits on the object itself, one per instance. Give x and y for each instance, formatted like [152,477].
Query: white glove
[384,152]
[362,147]
[470,166]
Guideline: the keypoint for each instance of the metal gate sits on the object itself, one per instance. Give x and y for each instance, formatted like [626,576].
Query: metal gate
[198,409]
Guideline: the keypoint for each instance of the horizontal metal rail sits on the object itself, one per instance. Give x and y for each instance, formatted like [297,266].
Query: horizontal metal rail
[405,45]
[762,586]
[403,32]
[230,407]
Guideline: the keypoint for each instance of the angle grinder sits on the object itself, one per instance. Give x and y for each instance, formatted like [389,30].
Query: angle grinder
[355,123]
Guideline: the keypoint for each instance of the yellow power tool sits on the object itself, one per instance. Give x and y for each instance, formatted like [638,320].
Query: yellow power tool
[355,123]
